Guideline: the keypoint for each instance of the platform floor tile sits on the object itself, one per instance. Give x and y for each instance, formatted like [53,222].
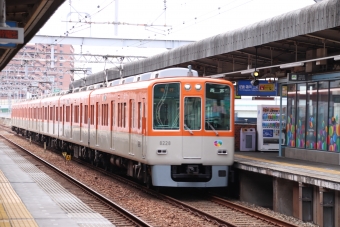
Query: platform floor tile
[13,212]
[47,202]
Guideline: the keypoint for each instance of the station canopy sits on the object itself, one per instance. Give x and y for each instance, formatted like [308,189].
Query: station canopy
[305,40]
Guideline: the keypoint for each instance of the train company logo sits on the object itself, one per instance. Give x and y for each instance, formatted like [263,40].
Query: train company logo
[218,143]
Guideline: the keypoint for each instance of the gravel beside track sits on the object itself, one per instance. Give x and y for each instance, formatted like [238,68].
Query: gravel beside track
[152,210]
[147,207]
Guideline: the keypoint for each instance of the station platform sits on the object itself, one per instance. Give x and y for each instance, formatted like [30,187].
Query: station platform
[29,197]
[269,163]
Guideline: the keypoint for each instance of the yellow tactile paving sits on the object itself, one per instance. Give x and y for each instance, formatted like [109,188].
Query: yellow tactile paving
[292,165]
[13,213]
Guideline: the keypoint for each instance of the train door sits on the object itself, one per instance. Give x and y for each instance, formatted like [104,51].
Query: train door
[113,122]
[81,121]
[130,122]
[97,121]
[192,128]
[143,124]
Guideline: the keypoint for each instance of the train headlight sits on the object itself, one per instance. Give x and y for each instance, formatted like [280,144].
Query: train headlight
[187,87]
[198,87]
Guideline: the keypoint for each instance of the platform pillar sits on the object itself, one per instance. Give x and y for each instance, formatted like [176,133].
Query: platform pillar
[283,196]
[318,214]
[297,200]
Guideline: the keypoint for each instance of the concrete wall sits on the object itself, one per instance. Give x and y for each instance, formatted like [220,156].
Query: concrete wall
[283,196]
[256,188]
[313,155]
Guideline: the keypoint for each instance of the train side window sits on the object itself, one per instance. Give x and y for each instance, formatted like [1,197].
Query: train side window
[139,114]
[97,113]
[46,114]
[67,113]
[124,115]
[92,114]
[51,113]
[86,114]
[71,114]
[61,113]
[76,114]
[133,113]
[113,113]
[105,113]
[56,114]
[119,114]
[81,113]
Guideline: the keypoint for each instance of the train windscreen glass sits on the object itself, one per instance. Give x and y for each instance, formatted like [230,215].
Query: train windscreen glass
[192,113]
[217,107]
[166,102]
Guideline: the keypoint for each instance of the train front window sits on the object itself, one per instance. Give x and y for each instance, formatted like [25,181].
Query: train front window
[166,104]
[192,113]
[217,107]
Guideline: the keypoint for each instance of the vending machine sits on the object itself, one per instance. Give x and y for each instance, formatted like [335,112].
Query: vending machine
[268,127]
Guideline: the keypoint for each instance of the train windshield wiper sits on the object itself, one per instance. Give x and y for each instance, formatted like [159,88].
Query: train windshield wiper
[188,129]
[212,128]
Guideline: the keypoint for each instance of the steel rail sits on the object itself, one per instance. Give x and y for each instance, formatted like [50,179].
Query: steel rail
[250,212]
[128,215]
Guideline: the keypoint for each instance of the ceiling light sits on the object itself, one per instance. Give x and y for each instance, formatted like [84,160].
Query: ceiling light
[289,65]
[337,58]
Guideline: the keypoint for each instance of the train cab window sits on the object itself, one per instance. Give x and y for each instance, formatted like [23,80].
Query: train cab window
[217,107]
[192,113]
[166,100]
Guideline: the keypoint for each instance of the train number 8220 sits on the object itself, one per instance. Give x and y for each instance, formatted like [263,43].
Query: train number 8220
[164,142]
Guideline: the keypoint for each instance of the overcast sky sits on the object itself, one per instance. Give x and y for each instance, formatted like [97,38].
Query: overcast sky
[182,19]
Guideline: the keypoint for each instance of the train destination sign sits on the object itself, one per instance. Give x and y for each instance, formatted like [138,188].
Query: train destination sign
[11,35]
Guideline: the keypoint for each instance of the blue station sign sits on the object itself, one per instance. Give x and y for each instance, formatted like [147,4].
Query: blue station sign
[244,88]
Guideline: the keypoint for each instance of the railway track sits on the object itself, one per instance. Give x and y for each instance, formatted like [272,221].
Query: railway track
[118,215]
[213,209]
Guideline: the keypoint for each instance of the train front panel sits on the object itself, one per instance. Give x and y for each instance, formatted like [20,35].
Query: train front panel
[190,136]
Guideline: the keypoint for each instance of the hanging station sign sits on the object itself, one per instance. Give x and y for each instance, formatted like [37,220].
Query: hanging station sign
[11,35]
[264,88]
[297,77]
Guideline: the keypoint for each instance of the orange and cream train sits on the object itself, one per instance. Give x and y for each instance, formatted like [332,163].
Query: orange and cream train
[167,128]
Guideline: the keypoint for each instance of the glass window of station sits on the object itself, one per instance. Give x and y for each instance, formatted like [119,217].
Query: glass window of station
[313,111]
